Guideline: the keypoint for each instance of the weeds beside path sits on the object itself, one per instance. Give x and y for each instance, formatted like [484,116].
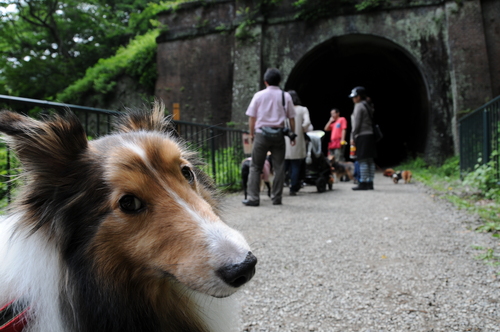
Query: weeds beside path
[396,258]
[478,193]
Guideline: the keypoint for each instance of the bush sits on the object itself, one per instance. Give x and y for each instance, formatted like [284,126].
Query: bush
[451,167]
[228,169]
[137,60]
[417,163]
[484,178]
[7,173]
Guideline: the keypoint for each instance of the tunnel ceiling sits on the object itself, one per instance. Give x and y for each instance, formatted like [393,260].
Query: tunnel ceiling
[324,77]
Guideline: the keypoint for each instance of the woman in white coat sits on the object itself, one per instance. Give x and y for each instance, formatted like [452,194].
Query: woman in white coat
[295,155]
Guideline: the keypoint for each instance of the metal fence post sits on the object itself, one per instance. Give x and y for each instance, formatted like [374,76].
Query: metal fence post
[486,137]
[212,147]
[479,136]
[224,172]
[9,183]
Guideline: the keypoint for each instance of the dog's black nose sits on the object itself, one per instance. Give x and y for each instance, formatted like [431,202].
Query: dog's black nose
[236,275]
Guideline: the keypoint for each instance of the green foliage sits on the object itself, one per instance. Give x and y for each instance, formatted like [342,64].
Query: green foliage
[228,165]
[446,182]
[488,255]
[417,163]
[370,4]
[449,171]
[243,31]
[137,60]
[142,21]
[248,16]
[3,172]
[8,174]
[478,192]
[489,227]
[311,10]
[451,167]
[465,112]
[485,178]
[222,28]
[50,43]
[45,45]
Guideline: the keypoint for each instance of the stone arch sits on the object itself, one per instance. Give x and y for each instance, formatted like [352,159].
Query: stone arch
[325,75]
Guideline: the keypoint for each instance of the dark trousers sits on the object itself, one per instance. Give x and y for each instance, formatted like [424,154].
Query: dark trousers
[293,167]
[261,145]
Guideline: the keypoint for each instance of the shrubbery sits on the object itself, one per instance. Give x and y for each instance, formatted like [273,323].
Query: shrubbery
[478,191]
[138,60]
[7,173]
[485,180]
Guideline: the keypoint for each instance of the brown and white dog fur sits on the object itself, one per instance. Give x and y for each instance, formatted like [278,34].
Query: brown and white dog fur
[265,178]
[405,175]
[342,168]
[398,175]
[118,234]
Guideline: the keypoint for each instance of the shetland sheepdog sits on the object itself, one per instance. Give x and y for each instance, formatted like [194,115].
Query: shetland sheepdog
[122,233]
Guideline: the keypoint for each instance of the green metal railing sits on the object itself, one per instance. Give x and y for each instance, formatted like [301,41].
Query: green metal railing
[479,136]
[219,147]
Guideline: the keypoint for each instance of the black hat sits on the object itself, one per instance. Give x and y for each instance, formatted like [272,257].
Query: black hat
[359,90]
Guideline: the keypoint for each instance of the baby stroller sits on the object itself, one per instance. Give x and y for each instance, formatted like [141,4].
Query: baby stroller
[318,170]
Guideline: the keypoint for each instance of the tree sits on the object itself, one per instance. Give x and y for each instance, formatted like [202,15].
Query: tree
[45,45]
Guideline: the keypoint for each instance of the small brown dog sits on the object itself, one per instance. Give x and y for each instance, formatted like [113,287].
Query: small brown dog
[396,176]
[389,172]
[405,175]
[342,168]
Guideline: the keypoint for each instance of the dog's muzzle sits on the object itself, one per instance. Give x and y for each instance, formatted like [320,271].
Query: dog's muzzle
[236,275]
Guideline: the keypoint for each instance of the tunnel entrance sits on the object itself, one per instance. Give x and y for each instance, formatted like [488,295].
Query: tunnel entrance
[324,77]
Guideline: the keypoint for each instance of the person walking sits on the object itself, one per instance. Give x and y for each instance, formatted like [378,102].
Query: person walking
[267,113]
[362,138]
[338,126]
[295,155]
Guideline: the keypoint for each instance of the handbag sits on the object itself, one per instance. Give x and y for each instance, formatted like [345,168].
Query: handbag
[271,132]
[377,132]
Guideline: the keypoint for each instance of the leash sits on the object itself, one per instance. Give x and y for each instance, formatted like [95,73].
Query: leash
[13,317]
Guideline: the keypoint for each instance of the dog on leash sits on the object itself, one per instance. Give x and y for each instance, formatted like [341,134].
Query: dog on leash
[118,234]
[265,177]
[389,172]
[398,175]
[405,175]
[342,169]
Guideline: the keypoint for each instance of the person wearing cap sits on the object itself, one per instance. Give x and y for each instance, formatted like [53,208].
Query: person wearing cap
[268,110]
[362,137]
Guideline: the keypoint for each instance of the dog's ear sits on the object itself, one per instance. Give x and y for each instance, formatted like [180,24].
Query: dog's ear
[44,146]
[148,120]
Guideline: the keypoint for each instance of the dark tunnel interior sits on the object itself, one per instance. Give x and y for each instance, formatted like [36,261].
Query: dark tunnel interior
[324,77]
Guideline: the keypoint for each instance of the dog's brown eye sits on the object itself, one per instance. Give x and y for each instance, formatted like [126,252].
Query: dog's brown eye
[187,172]
[131,204]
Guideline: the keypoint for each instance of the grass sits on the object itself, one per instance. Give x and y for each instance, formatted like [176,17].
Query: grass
[446,181]
[469,194]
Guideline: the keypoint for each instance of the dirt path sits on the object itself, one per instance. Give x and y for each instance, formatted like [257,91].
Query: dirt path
[392,259]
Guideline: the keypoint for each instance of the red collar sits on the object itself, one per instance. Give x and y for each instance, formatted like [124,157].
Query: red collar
[13,318]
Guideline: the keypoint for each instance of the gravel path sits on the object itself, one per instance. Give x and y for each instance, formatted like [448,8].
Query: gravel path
[392,259]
